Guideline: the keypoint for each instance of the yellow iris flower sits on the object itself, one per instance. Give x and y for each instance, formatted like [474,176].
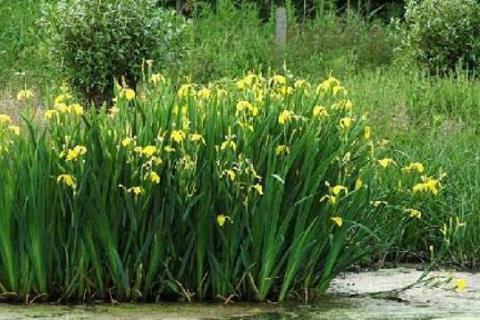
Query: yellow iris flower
[346,123]
[258,187]
[320,112]
[204,93]
[358,183]
[337,220]
[336,190]
[149,151]
[75,153]
[153,177]
[15,130]
[386,162]
[429,185]
[67,180]
[178,136]
[414,213]
[222,218]
[129,94]
[127,141]
[367,132]
[282,149]
[415,166]
[135,190]
[5,119]
[156,78]
[23,95]
[285,116]
[231,174]
[459,284]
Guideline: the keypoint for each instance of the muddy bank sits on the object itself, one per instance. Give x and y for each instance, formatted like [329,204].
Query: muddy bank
[367,295]
[437,287]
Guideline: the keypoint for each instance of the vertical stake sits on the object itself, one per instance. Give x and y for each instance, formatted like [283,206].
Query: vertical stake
[280,32]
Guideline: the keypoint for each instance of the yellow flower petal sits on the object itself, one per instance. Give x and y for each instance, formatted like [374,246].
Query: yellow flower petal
[5,119]
[358,183]
[154,177]
[346,123]
[258,187]
[385,162]
[339,188]
[337,220]
[67,180]
[178,136]
[282,149]
[414,213]
[23,95]
[367,133]
[415,166]
[149,151]
[127,141]
[459,284]
[129,94]
[231,174]
[285,116]
[135,190]
[221,219]
[320,112]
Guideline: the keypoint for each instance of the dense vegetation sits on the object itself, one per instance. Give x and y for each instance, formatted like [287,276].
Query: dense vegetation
[416,117]
[236,190]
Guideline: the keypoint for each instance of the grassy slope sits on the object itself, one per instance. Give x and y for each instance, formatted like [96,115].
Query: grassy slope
[435,121]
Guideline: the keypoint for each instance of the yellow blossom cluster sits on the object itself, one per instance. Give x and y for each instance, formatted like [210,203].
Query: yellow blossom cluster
[428,185]
[164,133]
[64,105]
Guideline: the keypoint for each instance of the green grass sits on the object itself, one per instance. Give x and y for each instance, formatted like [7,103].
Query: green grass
[434,120]
[23,54]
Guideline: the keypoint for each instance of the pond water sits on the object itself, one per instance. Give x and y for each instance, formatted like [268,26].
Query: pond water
[352,296]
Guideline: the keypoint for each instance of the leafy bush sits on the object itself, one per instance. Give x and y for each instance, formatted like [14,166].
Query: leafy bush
[442,34]
[246,190]
[97,41]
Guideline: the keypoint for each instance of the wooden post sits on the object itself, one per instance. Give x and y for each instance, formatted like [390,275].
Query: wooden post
[280,31]
[178,6]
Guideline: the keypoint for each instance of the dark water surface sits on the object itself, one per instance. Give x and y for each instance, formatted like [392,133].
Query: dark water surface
[331,308]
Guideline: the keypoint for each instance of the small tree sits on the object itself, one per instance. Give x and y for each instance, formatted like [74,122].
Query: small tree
[96,42]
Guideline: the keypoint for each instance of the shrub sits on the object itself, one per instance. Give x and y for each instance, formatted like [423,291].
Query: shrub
[98,41]
[442,34]
[246,190]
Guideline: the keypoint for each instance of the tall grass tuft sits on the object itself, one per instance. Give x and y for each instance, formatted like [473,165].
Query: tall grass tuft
[255,189]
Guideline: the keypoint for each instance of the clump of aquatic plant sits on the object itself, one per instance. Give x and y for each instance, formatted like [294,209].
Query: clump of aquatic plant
[254,189]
